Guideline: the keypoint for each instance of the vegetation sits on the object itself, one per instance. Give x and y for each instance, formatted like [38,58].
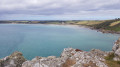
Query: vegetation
[110,62]
[111,25]
[89,23]
[114,23]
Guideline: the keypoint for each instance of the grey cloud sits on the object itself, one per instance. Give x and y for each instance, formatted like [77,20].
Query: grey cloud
[59,7]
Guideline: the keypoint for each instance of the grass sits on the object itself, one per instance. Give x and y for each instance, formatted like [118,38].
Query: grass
[110,62]
[114,23]
[89,23]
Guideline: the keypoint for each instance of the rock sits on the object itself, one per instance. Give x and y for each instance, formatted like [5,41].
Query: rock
[99,53]
[70,58]
[14,60]
[43,62]
[116,50]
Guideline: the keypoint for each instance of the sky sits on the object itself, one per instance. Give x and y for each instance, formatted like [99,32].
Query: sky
[59,9]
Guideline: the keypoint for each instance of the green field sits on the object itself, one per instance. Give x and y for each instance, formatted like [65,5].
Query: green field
[111,25]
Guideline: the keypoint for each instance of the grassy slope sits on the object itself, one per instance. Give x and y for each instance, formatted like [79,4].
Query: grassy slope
[110,62]
[113,25]
[109,25]
[89,23]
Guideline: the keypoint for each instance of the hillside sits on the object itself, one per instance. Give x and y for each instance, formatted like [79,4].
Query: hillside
[113,25]
[110,26]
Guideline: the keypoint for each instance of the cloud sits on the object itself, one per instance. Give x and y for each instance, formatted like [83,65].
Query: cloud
[60,7]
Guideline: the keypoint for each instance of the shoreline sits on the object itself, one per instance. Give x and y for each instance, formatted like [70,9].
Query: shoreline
[74,25]
[70,57]
[84,26]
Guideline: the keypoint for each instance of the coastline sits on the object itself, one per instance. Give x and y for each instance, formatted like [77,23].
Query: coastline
[74,25]
[69,58]
[92,28]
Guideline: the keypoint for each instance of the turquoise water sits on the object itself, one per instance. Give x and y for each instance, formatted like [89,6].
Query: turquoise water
[46,40]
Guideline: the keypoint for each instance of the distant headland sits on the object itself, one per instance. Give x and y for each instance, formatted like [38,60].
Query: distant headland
[105,26]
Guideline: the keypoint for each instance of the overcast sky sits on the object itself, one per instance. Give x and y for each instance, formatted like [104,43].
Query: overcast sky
[59,9]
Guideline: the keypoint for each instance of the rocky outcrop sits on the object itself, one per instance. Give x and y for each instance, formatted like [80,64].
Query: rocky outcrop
[116,50]
[14,60]
[70,58]
[108,31]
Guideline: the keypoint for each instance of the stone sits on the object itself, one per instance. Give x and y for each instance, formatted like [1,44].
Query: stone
[116,50]
[70,58]
[14,60]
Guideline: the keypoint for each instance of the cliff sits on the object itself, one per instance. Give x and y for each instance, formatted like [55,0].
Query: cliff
[69,58]
[116,49]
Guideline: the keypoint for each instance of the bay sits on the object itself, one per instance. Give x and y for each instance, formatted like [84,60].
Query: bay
[50,40]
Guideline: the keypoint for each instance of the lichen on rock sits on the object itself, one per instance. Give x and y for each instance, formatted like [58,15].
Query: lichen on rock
[69,58]
[14,60]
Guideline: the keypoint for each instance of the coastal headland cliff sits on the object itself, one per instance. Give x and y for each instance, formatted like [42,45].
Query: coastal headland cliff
[69,58]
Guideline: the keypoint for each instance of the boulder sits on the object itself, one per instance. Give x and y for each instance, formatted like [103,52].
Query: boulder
[14,60]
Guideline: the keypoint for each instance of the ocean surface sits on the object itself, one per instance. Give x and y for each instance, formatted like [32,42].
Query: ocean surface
[48,40]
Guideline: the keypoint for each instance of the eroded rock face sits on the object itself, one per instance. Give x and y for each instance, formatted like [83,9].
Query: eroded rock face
[116,50]
[86,59]
[14,60]
[70,58]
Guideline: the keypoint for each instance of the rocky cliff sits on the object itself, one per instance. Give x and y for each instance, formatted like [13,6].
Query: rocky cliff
[116,50]
[69,58]
[14,60]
